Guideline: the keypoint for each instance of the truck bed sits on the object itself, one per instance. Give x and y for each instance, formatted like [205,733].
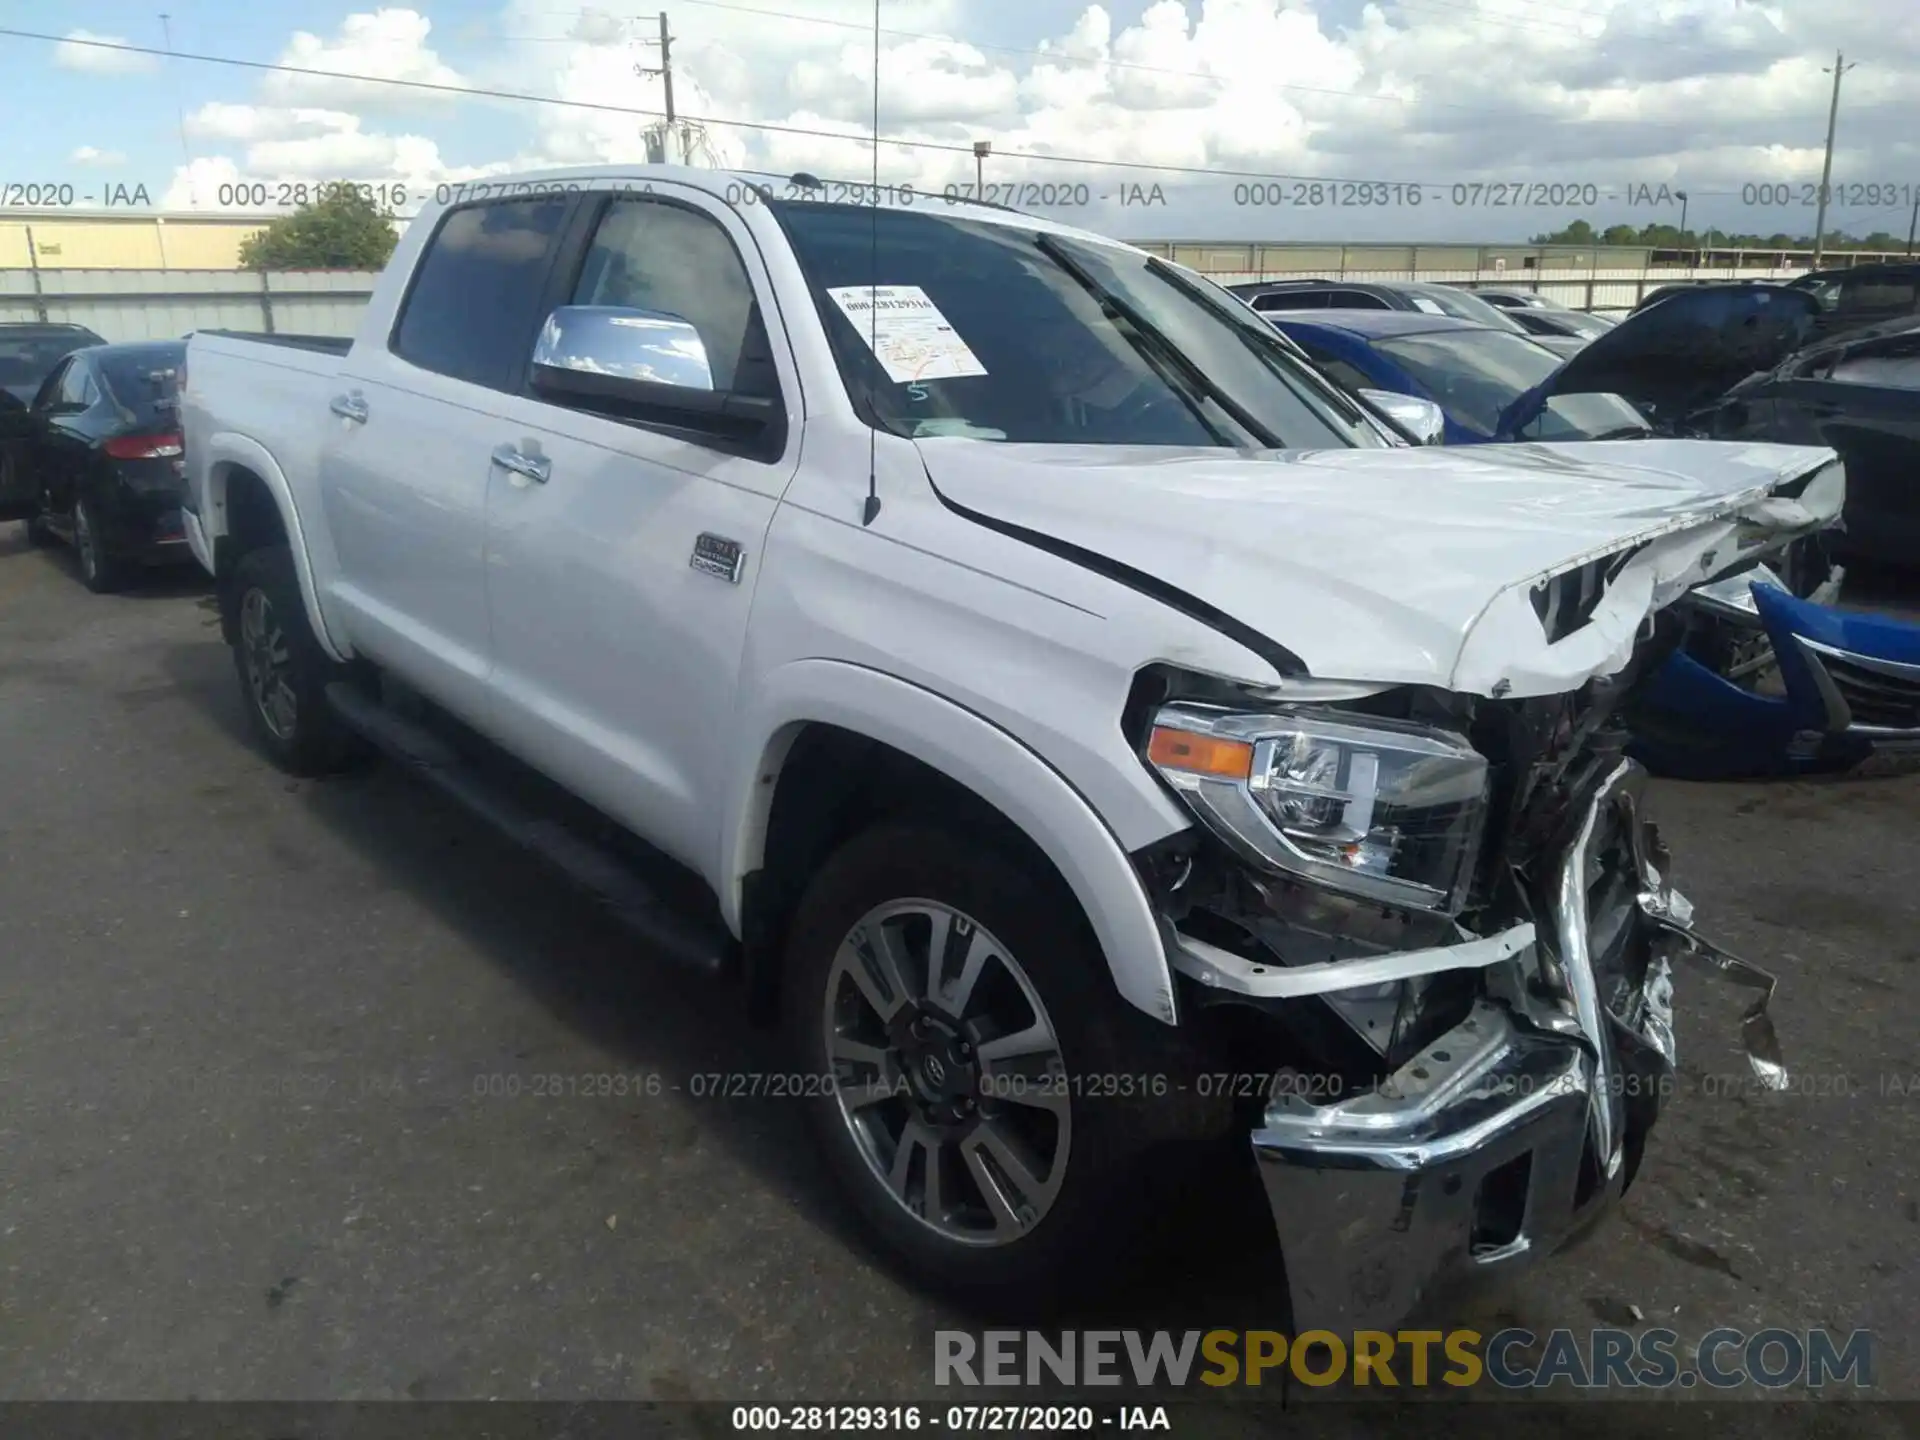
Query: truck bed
[273,390]
[325,344]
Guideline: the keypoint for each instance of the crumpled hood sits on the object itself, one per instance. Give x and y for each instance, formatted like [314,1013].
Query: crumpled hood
[1410,565]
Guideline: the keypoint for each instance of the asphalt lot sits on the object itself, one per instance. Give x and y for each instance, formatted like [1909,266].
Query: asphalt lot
[249,1028]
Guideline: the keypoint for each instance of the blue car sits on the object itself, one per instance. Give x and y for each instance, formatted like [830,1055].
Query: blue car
[1473,372]
[1765,681]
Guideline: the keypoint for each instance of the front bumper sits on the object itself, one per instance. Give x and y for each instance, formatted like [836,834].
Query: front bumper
[1513,1131]
[1849,689]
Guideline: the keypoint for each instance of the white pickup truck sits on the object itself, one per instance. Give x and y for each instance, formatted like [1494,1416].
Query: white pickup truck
[1098,739]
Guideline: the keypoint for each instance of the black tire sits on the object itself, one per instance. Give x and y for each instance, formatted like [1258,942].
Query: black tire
[1119,1146]
[305,738]
[100,572]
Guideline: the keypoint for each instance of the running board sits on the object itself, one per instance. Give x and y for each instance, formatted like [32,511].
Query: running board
[625,896]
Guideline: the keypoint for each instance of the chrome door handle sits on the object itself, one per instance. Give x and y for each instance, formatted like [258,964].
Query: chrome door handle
[535,467]
[349,407]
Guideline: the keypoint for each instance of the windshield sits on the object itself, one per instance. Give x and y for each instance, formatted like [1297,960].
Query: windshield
[1579,322]
[1462,306]
[1000,332]
[1476,374]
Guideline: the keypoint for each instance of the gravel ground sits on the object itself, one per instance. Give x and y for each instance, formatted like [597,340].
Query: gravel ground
[256,1140]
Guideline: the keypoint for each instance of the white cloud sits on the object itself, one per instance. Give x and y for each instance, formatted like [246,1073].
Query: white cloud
[386,45]
[218,120]
[1711,95]
[76,53]
[89,155]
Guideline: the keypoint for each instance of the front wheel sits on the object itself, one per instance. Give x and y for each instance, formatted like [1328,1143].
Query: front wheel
[986,1100]
[283,671]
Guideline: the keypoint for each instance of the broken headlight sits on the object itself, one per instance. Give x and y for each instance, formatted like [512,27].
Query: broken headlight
[1377,808]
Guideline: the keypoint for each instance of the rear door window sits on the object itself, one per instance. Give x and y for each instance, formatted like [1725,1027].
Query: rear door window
[1292,300]
[77,387]
[1355,300]
[474,305]
[1875,294]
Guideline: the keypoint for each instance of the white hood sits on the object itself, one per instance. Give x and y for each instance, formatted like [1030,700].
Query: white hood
[1411,565]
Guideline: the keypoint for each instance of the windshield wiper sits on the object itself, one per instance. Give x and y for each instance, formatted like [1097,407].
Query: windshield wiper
[1172,363]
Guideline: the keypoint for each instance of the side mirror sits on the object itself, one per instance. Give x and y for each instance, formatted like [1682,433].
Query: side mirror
[646,366]
[1422,421]
[628,344]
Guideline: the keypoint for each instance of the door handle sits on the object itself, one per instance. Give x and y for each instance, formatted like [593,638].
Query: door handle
[535,467]
[349,407]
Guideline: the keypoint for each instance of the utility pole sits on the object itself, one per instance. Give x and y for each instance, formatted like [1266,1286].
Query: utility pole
[1913,224]
[1682,241]
[657,144]
[179,115]
[1840,67]
[666,76]
[981,149]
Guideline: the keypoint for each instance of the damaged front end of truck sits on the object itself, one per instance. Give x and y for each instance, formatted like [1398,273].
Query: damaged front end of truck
[1452,913]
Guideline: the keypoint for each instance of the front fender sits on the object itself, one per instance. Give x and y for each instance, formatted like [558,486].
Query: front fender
[226,452]
[977,754]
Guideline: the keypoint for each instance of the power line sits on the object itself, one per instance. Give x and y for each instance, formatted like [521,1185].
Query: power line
[765,127]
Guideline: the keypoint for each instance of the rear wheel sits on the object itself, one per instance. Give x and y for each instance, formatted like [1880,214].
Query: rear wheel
[983,1095]
[101,572]
[283,671]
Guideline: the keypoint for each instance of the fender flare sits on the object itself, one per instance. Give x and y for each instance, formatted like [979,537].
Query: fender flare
[227,451]
[975,752]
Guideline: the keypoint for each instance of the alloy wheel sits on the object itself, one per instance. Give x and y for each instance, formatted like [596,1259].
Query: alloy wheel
[948,1072]
[269,664]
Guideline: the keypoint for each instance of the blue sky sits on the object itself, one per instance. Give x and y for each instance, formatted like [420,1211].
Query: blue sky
[1603,102]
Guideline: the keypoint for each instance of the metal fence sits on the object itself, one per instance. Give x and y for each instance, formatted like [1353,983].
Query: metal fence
[154,304]
[157,304]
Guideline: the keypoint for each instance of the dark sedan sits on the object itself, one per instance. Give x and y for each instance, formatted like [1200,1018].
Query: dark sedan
[1745,362]
[1862,296]
[105,456]
[27,352]
[1860,393]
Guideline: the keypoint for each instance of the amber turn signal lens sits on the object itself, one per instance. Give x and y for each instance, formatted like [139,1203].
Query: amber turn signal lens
[1200,754]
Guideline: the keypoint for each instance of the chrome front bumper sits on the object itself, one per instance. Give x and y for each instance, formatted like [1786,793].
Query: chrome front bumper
[1510,1133]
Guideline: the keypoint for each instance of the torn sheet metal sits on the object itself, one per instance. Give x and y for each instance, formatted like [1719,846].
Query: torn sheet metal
[1757,1034]
[1504,647]
[1223,970]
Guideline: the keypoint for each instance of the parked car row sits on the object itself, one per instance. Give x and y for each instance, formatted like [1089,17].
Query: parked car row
[93,454]
[1730,362]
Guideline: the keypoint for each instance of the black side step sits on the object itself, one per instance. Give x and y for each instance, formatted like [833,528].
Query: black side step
[682,938]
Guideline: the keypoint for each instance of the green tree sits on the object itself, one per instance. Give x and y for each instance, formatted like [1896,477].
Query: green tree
[343,230]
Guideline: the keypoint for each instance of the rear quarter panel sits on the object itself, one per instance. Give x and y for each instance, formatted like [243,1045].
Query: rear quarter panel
[258,408]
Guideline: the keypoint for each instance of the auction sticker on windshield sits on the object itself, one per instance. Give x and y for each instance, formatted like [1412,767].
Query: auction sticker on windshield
[907,332]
